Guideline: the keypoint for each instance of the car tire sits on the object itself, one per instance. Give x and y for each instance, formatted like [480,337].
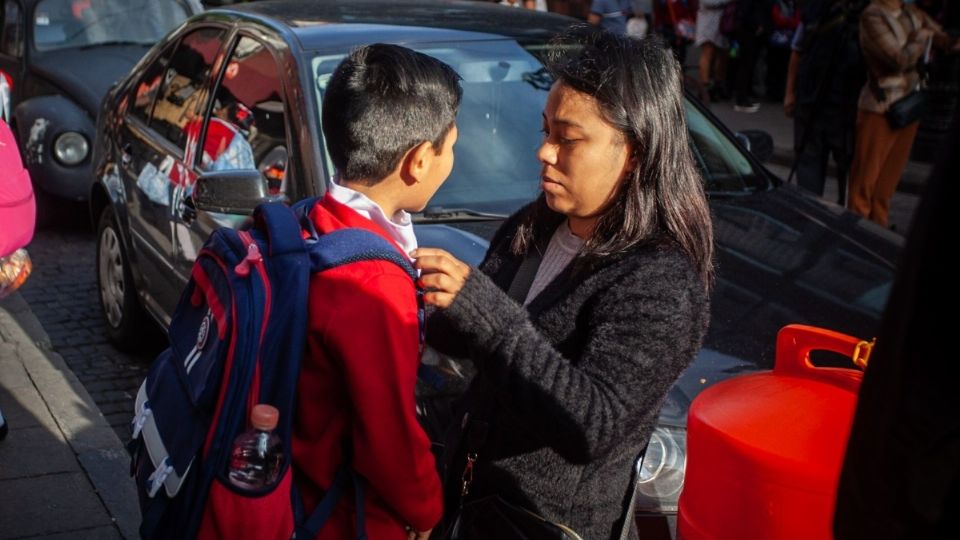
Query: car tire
[124,317]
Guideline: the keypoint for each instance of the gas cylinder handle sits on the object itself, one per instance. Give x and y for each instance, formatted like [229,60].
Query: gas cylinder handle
[795,342]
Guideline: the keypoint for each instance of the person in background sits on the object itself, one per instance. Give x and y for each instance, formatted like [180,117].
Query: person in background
[824,78]
[785,17]
[713,48]
[901,474]
[639,24]
[753,26]
[591,300]
[675,20]
[894,36]
[611,15]
[18,213]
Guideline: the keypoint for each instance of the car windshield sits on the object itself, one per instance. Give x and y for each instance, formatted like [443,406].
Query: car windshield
[63,24]
[504,92]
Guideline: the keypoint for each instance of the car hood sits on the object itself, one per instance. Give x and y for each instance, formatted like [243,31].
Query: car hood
[87,74]
[782,257]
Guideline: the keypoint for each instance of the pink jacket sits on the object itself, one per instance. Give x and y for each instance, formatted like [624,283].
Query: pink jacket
[17,206]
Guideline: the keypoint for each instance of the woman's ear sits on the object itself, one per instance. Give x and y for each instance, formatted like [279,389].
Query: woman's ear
[416,163]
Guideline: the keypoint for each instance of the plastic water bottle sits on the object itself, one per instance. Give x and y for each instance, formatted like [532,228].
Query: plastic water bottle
[258,453]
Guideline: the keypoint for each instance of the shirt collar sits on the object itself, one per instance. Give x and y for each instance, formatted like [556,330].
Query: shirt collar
[399,227]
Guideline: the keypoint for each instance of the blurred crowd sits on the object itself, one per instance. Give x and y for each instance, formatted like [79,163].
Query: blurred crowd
[856,76]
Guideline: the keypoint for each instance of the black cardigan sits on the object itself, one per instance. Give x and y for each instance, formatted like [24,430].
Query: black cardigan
[571,385]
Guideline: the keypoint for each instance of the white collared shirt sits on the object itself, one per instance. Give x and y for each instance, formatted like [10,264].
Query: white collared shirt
[399,227]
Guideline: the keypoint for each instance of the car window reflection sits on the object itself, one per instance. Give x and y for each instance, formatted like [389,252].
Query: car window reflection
[247,128]
[177,114]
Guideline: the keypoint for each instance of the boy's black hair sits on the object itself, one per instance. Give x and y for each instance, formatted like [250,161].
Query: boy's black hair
[381,101]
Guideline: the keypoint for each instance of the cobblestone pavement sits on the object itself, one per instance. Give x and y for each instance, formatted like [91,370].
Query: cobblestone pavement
[62,292]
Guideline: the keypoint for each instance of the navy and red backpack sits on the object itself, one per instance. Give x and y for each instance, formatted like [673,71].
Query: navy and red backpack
[236,339]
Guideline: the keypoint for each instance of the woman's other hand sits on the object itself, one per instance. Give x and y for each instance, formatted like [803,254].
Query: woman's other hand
[441,274]
[418,535]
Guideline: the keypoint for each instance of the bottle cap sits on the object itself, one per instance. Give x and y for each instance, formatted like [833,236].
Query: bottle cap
[264,417]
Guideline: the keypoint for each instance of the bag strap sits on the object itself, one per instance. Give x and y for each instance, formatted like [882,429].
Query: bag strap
[310,527]
[523,279]
[282,227]
[628,516]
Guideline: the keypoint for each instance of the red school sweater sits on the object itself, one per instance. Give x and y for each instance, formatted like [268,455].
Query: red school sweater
[357,381]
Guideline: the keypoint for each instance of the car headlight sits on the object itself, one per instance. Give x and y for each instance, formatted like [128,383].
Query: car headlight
[70,148]
[661,477]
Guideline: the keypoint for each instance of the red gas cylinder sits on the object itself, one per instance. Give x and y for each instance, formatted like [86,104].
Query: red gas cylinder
[764,450]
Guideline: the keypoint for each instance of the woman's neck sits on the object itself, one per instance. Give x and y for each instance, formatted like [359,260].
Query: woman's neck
[892,5]
[582,228]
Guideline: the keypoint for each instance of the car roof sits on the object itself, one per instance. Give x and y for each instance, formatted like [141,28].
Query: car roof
[316,22]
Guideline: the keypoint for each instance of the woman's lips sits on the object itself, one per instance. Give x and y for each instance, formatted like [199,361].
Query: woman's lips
[549,185]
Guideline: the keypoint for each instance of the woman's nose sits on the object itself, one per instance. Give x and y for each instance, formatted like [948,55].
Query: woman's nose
[547,153]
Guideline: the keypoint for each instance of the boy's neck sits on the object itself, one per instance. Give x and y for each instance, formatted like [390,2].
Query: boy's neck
[380,193]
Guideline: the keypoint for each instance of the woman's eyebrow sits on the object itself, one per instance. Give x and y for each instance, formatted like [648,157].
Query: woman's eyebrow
[564,121]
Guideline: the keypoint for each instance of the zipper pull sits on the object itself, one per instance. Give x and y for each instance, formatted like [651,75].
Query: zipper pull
[253,257]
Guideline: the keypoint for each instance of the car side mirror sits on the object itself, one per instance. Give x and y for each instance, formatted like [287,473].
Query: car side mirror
[230,192]
[757,142]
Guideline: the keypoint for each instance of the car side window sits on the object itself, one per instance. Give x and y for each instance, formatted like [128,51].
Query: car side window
[247,127]
[178,112]
[723,165]
[148,87]
[11,33]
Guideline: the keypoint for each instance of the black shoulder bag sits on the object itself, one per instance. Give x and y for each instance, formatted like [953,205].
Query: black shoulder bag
[911,107]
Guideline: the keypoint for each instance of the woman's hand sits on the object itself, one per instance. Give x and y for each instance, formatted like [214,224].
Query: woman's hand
[441,274]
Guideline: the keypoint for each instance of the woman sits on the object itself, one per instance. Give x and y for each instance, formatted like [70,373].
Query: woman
[894,36]
[713,48]
[574,362]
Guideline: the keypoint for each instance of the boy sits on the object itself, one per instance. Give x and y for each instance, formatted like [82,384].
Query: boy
[389,121]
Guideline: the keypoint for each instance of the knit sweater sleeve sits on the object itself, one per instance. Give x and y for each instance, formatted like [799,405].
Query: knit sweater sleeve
[640,335]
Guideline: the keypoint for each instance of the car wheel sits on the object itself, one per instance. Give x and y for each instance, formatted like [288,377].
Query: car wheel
[118,297]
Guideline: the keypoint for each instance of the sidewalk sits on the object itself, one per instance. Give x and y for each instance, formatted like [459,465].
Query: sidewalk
[63,471]
[770,118]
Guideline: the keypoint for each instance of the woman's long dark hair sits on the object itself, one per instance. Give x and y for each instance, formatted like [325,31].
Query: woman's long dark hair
[638,87]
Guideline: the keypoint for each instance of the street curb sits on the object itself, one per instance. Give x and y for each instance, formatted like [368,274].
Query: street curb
[96,446]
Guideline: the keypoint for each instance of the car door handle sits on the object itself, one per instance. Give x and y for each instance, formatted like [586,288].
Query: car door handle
[188,212]
[126,154]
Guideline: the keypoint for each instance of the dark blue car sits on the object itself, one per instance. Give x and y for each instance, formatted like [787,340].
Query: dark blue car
[58,59]
[225,112]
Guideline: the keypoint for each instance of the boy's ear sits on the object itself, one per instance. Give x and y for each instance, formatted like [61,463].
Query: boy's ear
[416,162]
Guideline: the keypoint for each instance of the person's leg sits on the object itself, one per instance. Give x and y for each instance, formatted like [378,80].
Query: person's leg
[747,62]
[720,58]
[891,171]
[843,157]
[706,60]
[874,139]
[777,60]
[810,150]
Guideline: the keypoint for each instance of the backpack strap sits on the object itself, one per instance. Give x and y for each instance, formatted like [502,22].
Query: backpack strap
[282,226]
[309,527]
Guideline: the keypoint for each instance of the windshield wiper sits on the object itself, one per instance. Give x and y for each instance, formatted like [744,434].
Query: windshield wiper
[115,42]
[439,213]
